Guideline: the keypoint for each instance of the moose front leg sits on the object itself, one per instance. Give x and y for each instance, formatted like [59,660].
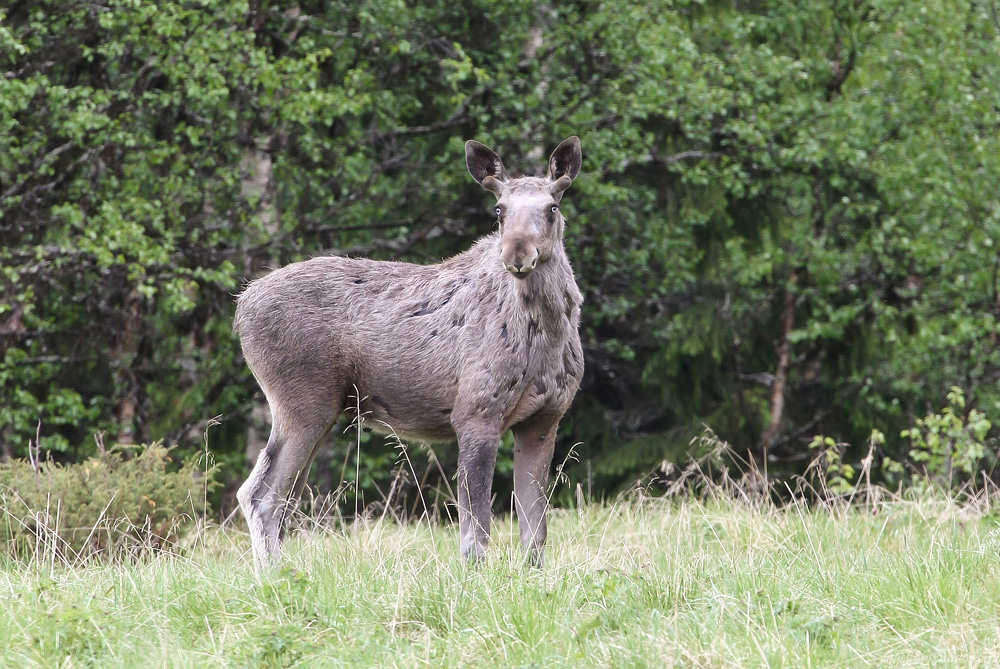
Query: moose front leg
[533,447]
[477,457]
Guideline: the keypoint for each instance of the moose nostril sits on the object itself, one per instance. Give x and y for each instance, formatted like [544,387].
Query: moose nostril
[519,269]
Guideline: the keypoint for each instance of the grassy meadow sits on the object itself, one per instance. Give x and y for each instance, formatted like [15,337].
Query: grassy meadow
[639,583]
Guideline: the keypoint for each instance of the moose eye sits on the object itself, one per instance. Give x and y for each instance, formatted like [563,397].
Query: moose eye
[499,211]
[555,208]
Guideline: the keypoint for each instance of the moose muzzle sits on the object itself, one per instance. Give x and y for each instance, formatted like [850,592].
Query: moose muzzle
[519,257]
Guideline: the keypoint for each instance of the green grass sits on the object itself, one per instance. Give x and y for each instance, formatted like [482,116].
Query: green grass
[642,583]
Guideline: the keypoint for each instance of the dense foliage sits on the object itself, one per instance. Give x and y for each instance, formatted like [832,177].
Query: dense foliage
[785,226]
[120,502]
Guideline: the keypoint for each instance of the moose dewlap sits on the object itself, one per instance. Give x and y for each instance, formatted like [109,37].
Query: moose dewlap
[463,350]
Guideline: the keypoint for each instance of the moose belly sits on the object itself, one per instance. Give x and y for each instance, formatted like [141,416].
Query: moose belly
[413,416]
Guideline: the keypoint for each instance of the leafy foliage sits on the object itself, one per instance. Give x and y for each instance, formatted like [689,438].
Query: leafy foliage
[837,475]
[950,446]
[785,226]
[121,501]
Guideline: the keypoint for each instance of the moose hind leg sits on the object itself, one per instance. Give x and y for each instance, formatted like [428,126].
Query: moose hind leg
[273,487]
[533,448]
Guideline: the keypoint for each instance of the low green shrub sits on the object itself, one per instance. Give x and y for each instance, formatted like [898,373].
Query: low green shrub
[126,500]
[950,447]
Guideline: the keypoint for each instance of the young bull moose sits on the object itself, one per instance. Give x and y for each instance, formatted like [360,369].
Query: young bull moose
[466,349]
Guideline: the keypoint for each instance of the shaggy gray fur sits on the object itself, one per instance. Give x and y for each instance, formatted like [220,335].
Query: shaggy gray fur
[463,350]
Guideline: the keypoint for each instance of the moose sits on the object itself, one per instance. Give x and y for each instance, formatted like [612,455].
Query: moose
[466,349]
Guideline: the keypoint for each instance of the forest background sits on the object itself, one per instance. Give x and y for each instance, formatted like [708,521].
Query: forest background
[786,225]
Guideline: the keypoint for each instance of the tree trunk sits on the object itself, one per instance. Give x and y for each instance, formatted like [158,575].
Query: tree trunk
[6,443]
[781,374]
[258,184]
[125,352]
[11,328]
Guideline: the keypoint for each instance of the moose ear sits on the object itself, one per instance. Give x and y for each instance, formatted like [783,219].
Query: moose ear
[485,166]
[565,161]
